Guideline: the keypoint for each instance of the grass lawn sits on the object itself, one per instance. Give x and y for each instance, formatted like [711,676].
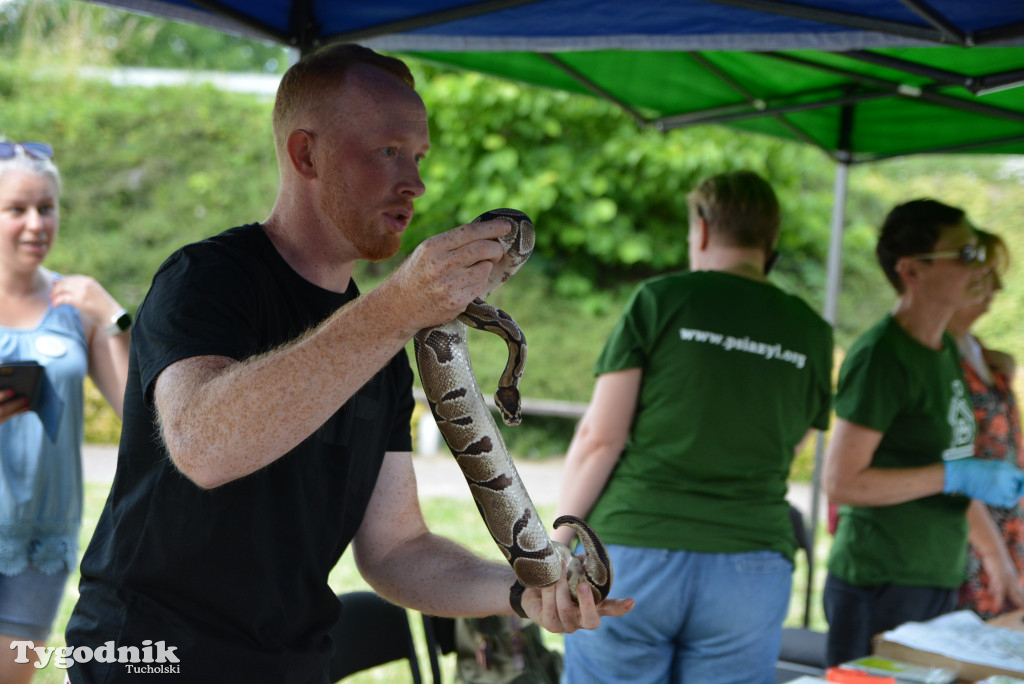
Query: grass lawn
[454,518]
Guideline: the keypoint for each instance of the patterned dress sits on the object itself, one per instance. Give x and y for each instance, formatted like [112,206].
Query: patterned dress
[999,438]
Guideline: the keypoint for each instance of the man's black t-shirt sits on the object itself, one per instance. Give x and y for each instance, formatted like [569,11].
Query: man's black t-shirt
[233,578]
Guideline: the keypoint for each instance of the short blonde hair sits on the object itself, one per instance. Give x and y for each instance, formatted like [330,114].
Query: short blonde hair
[303,86]
[740,208]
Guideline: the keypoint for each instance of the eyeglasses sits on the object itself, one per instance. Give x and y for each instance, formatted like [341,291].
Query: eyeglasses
[36,150]
[967,255]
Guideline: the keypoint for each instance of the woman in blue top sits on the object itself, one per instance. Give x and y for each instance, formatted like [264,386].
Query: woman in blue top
[71,326]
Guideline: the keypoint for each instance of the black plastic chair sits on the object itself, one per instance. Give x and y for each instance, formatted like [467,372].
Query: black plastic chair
[803,649]
[373,632]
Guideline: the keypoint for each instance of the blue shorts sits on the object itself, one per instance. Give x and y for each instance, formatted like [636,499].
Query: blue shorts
[699,617]
[29,602]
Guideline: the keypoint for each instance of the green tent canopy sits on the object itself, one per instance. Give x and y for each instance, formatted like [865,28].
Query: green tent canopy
[858,105]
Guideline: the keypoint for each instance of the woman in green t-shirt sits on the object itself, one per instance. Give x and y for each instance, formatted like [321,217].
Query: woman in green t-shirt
[705,388]
[900,462]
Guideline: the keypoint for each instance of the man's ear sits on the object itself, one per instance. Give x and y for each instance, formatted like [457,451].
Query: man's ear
[908,269]
[703,233]
[300,153]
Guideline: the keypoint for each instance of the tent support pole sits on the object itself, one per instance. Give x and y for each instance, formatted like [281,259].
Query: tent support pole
[834,276]
[835,246]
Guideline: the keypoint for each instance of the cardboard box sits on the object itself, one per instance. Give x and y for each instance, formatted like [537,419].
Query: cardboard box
[967,672]
[1014,620]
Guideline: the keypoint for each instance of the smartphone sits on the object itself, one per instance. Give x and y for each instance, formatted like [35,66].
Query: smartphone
[22,377]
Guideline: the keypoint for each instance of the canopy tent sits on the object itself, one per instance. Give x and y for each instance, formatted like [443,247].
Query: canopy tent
[860,79]
[857,105]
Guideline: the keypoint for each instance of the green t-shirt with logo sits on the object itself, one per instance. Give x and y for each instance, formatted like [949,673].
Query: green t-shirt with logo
[917,398]
[735,372]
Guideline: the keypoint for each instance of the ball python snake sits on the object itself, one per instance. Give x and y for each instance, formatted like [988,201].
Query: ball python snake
[465,422]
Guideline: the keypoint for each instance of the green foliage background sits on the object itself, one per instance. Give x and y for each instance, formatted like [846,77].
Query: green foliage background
[149,169]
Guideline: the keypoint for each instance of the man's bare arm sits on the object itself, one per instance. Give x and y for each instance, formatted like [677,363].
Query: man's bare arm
[223,419]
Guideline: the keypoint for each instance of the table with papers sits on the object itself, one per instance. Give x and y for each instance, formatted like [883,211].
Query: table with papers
[960,640]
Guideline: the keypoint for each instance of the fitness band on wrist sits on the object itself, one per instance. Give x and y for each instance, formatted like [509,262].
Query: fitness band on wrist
[119,323]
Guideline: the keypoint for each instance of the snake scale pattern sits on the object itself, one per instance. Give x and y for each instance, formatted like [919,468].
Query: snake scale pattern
[468,428]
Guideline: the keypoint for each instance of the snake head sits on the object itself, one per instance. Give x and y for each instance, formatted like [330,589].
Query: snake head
[518,244]
[509,405]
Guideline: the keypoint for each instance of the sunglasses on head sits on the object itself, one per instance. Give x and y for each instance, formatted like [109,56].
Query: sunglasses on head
[967,255]
[36,150]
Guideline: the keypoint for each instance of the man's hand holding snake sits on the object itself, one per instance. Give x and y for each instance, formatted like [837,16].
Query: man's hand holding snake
[445,273]
[552,607]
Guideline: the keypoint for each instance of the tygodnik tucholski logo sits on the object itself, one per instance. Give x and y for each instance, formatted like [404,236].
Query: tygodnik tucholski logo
[149,658]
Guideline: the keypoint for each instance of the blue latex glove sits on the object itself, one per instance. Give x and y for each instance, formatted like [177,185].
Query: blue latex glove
[997,483]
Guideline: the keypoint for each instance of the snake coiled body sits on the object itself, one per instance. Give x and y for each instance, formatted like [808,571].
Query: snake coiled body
[468,428]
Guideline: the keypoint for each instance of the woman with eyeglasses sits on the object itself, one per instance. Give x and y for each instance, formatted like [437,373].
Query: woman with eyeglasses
[900,462]
[71,326]
[995,573]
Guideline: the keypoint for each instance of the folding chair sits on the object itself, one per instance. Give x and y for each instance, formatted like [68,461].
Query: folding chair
[373,632]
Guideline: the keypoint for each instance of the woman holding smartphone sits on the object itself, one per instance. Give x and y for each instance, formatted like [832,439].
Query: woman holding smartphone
[71,326]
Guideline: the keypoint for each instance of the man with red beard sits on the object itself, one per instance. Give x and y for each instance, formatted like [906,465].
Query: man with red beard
[267,414]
